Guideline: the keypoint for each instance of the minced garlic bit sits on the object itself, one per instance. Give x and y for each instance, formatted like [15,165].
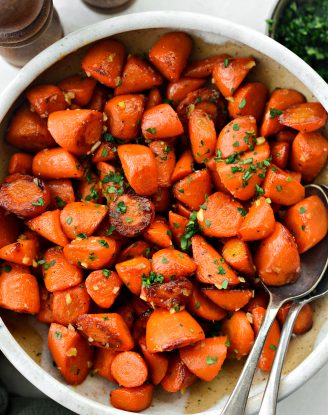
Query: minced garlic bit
[71,327]
[121,104]
[241,279]
[95,287]
[88,74]
[260,140]
[111,57]
[68,299]
[69,96]
[90,339]
[34,264]
[230,99]
[116,290]
[26,260]
[105,118]
[200,215]
[94,147]
[84,265]
[71,352]
[249,317]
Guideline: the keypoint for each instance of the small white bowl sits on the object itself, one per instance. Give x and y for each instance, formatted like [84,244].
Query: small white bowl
[22,339]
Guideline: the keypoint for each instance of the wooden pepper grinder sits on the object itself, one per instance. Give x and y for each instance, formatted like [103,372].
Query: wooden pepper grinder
[26,28]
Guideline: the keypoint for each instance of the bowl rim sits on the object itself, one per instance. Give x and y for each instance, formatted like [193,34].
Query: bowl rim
[137,21]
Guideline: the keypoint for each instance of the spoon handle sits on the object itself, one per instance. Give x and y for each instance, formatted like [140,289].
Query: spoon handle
[237,401]
[270,396]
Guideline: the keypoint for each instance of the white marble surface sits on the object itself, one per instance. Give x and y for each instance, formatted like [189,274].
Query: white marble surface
[311,398]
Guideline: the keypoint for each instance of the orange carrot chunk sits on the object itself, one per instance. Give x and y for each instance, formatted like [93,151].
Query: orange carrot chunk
[132,399]
[20,163]
[178,377]
[157,362]
[22,252]
[280,153]
[10,228]
[183,166]
[202,136]
[204,67]
[78,89]
[304,320]
[61,193]
[45,314]
[238,255]
[177,91]
[201,306]
[154,98]
[129,369]
[170,262]
[249,99]
[131,272]
[305,117]
[103,286]
[240,334]
[231,300]
[103,362]
[46,99]
[165,161]
[69,304]
[158,233]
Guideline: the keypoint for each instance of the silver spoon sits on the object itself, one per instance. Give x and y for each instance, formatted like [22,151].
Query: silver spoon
[270,396]
[313,266]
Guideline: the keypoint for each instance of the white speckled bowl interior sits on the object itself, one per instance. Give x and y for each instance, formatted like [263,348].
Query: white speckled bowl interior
[23,340]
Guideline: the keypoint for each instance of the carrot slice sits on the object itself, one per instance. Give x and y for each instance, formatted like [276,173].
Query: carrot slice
[103,362]
[161,122]
[20,163]
[309,154]
[28,131]
[172,263]
[277,259]
[154,98]
[249,99]
[61,193]
[10,228]
[183,167]
[132,399]
[124,114]
[206,357]
[70,352]
[103,286]
[222,217]
[308,222]
[158,233]
[177,91]
[231,300]
[211,267]
[271,343]
[104,62]
[69,304]
[240,334]
[259,221]
[230,73]
[201,306]
[46,99]
[137,76]
[305,117]
[140,169]
[106,330]
[204,67]
[178,377]
[78,89]
[56,163]
[202,136]
[304,320]
[157,362]
[19,292]
[180,330]
[131,272]
[238,255]
[170,53]
[129,369]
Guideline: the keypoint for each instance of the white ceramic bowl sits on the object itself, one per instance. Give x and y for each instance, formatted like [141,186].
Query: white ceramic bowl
[22,339]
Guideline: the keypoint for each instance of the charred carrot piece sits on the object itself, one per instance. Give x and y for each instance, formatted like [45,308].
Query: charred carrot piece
[126,311]
[78,89]
[103,286]
[201,306]
[46,99]
[238,256]
[105,152]
[183,167]
[165,161]
[70,352]
[204,67]
[162,199]
[10,228]
[304,320]
[305,117]
[131,272]
[136,249]
[178,377]
[178,90]
[158,233]
[170,262]
[22,252]
[280,153]
[157,362]
[103,362]
[20,163]
[250,99]
[69,304]
[132,399]
[98,99]
[61,193]
[202,136]
[230,300]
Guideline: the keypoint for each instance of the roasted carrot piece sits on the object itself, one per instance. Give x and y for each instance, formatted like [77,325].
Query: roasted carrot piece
[90,189]
[170,54]
[177,91]
[202,136]
[69,304]
[240,334]
[20,163]
[10,228]
[124,114]
[309,154]
[137,76]
[129,369]
[57,272]
[61,193]
[28,131]
[271,342]
[46,99]
[205,358]
[178,377]
[11,269]
[201,306]
[295,175]
[106,330]
[238,256]
[243,175]
[140,307]
[304,320]
[277,259]
[259,221]
[48,225]
[217,183]
[136,249]
[76,130]
[192,190]
[249,99]
[140,169]
[105,152]
[56,163]
[158,233]
[183,167]
[78,89]
[131,214]
[211,267]
[238,135]
[45,314]
[305,117]
[308,222]
[182,210]
[70,352]
[162,199]
[161,122]
[157,362]
[220,216]
[230,73]
[178,225]
[280,100]
[98,99]
[111,180]
[154,98]
[104,61]
[260,299]
[280,153]
[103,361]
[132,399]
[24,195]
[103,286]
[131,272]
[165,161]
[81,218]
[204,67]
[286,135]
[91,253]
[126,311]
[169,262]
[231,300]
[22,252]
[19,292]
[282,188]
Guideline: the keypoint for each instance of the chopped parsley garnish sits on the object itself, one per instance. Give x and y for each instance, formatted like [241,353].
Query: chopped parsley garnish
[60,202]
[103,242]
[242,211]
[225,284]
[121,207]
[191,229]
[226,62]
[39,202]
[274,112]
[58,335]
[235,127]
[302,210]
[242,104]
[152,279]
[106,272]
[211,360]
[151,130]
